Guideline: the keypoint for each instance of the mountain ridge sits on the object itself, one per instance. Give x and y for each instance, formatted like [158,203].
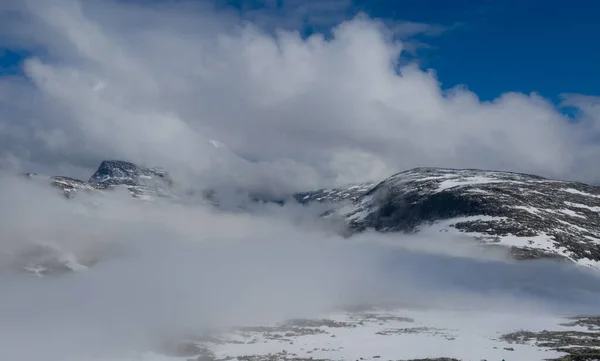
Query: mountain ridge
[530,213]
[535,217]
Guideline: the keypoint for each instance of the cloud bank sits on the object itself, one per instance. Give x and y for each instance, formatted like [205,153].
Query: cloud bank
[161,270]
[155,83]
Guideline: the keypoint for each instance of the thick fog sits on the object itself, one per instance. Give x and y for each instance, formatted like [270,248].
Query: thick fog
[159,270]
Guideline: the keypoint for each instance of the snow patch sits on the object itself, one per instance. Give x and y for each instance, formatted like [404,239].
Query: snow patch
[593,239]
[575,191]
[529,209]
[453,183]
[468,181]
[570,225]
[579,205]
[571,213]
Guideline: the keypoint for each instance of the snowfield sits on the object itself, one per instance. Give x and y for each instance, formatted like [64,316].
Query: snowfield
[384,334]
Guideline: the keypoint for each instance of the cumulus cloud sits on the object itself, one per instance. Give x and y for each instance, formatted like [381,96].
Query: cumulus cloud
[155,83]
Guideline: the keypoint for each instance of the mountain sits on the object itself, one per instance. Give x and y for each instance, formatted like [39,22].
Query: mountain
[534,216]
[334,195]
[142,182]
[117,172]
[67,184]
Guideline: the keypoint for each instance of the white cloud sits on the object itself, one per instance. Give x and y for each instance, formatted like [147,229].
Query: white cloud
[155,83]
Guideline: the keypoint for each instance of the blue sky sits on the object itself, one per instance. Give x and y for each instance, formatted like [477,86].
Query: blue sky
[550,47]
[492,46]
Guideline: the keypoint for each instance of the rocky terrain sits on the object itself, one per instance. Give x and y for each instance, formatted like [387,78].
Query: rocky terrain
[334,196]
[582,342]
[536,217]
[68,185]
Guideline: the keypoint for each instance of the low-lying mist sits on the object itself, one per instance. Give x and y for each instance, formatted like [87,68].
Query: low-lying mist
[157,269]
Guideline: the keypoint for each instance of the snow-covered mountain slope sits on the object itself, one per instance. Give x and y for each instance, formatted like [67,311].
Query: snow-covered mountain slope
[117,172]
[68,185]
[536,217]
[334,195]
[148,182]
[142,182]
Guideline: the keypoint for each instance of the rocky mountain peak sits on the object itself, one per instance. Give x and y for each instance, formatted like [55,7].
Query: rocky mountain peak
[117,172]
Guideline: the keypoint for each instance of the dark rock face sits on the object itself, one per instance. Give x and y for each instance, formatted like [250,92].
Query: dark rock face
[140,181]
[117,172]
[538,217]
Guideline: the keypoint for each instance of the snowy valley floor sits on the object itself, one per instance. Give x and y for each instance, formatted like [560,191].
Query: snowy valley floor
[398,334]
